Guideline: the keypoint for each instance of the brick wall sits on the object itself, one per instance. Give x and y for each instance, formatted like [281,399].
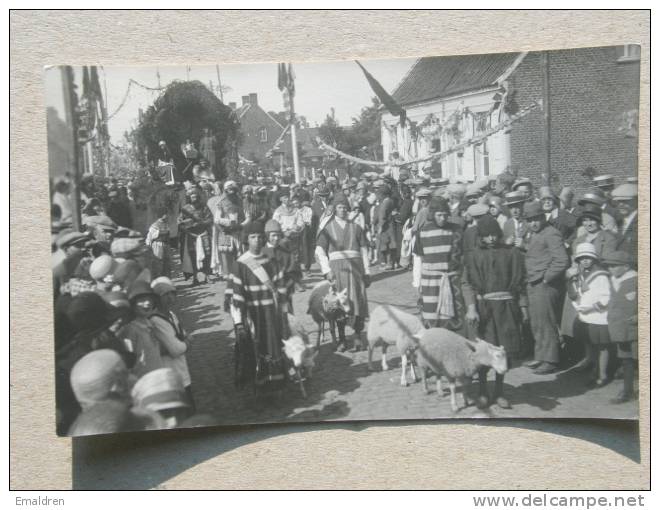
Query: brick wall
[589,93]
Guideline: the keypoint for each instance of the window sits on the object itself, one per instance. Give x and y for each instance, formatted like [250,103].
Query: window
[481,162]
[629,53]
[263,134]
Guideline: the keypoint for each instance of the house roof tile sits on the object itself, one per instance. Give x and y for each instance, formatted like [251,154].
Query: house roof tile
[437,77]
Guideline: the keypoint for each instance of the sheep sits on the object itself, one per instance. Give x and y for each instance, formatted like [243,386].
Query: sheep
[299,352]
[391,326]
[445,353]
[326,304]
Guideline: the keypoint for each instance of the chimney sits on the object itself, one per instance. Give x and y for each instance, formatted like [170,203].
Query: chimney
[245,99]
[253,99]
[232,106]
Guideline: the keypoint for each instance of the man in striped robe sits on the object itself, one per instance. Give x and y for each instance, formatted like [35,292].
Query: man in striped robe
[437,269]
[256,297]
[343,254]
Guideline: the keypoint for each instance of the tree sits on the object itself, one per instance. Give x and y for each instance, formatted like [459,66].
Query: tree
[333,134]
[365,131]
[361,139]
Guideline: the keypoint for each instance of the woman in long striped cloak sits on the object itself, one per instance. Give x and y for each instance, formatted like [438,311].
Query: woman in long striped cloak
[255,295]
[437,269]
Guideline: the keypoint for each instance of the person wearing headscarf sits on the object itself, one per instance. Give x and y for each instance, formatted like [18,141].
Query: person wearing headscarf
[437,267]
[256,298]
[195,222]
[228,220]
[343,254]
[494,290]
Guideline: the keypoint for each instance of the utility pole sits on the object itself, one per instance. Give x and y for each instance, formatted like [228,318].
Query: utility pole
[294,144]
[547,140]
[106,138]
[70,103]
[217,70]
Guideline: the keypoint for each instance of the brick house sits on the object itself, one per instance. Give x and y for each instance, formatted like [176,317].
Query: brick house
[593,105]
[259,130]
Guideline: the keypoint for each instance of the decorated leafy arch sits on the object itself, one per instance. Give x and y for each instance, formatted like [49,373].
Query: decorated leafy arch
[182,112]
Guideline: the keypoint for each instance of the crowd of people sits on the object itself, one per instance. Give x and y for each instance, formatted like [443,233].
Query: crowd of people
[538,273]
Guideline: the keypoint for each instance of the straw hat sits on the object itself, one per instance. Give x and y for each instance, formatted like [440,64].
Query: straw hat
[159,390]
[586,250]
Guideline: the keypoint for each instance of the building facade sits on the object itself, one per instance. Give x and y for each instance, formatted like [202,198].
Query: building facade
[593,97]
[259,130]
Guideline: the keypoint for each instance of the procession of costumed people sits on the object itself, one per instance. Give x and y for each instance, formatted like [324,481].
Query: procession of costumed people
[524,268]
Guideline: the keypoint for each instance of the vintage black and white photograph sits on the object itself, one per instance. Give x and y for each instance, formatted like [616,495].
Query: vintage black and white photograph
[427,238]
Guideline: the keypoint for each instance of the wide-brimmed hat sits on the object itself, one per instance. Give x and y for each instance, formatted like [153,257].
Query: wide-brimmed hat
[140,288]
[162,285]
[520,182]
[159,390]
[594,196]
[423,193]
[585,250]
[592,211]
[70,238]
[625,191]
[515,197]
[604,181]
[88,310]
[533,210]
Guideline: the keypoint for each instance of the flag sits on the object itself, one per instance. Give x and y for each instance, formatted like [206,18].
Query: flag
[282,78]
[291,80]
[285,82]
[392,106]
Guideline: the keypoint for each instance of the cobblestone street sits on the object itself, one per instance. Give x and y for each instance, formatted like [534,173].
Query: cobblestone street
[342,388]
